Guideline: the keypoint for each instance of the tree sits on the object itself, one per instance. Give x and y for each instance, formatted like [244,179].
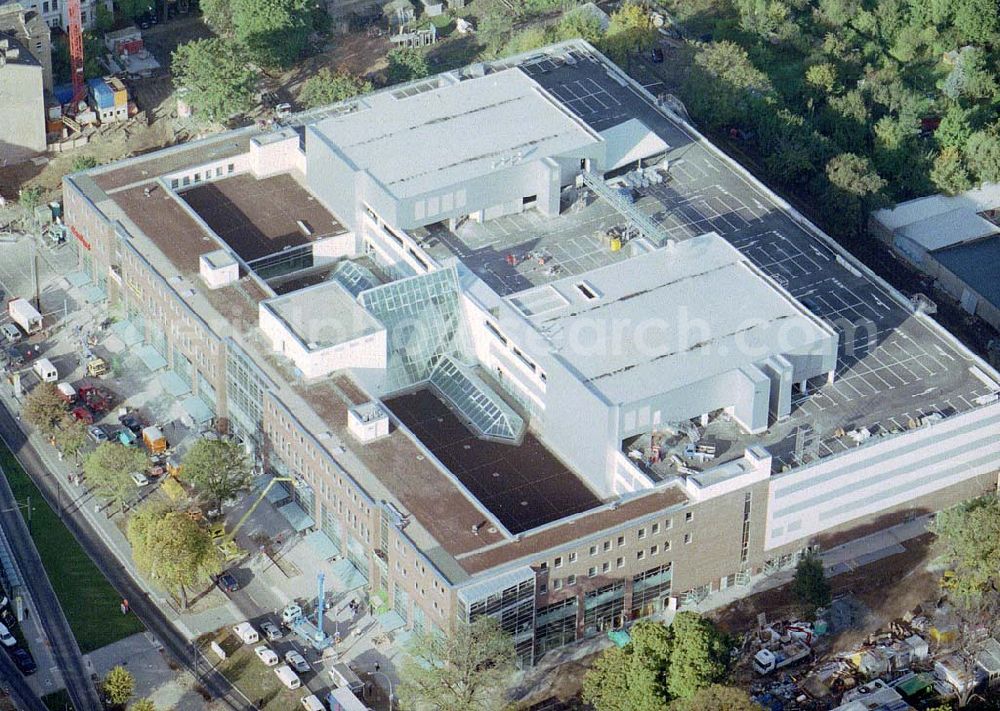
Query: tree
[810,586]
[717,698]
[630,29]
[30,198]
[632,678]
[579,22]
[218,15]
[949,173]
[172,549]
[698,656]
[406,64]
[977,20]
[104,19]
[84,162]
[143,705]
[467,670]
[70,436]
[273,33]
[109,468]
[970,536]
[218,469]
[325,87]
[854,175]
[763,17]
[44,408]
[118,685]
[823,76]
[731,64]
[955,128]
[528,39]
[982,153]
[216,76]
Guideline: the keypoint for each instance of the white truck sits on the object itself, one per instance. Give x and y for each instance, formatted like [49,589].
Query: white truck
[25,315]
[767,660]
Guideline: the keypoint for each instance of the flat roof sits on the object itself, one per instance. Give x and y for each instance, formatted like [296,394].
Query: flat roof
[672,316]
[323,316]
[976,264]
[938,221]
[415,141]
[524,485]
[258,217]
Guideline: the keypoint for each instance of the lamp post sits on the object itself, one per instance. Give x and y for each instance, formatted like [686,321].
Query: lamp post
[389,682]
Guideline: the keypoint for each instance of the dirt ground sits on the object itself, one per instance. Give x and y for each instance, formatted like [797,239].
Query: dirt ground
[888,588]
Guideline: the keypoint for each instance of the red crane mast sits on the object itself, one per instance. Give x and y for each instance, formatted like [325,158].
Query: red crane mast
[76,53]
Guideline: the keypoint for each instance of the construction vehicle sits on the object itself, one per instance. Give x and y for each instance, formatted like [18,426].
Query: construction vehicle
[154,440]
[767,660]
[97,367]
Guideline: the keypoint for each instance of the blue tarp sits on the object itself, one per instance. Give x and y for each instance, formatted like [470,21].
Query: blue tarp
[103,96]
[151,358]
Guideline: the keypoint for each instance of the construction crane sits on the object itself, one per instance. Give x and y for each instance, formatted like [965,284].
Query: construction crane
[76,53]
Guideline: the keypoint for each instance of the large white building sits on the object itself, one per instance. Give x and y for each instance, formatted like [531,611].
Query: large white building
[532,347]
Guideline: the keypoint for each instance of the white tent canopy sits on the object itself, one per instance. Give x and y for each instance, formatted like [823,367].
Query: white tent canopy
[630,142]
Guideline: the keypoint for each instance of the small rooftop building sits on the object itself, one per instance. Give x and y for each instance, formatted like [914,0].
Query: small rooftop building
[955,240]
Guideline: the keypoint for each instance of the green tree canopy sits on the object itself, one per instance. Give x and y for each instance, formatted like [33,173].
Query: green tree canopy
[70,436]
[631,29]
[118,685]
[955,128]
[109,469]
[218,14]
[44,408]
[326,87]
[468,670]
[172,549]
[854,175]
[810,586]
[717,698]
[982,153]
[143,705]
[949,173]
[698,657]
[274,33]
[970,536]
[216,76]
[658,664]
[822,76]
[579,22]
[219,469]
[406,64]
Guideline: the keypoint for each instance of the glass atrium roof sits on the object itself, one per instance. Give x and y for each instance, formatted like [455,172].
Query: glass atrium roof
[477,402]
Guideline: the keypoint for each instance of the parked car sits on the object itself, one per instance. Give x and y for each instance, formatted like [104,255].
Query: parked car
[283,110]
[140,479]
[23,660]
[6,638]
[296,661]
[271,631]
[266,655]
[97,433]
[83,414]
[131,422]
[227,583]
[11,333]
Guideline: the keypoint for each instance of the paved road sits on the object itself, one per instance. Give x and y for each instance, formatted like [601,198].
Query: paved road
[19,691]
[146,610]
[65,650]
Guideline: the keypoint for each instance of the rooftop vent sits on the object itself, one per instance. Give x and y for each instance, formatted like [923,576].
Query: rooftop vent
[368,421]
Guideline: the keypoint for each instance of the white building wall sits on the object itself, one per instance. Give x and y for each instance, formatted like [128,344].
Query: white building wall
[886,473]
[276,153]
[22,128]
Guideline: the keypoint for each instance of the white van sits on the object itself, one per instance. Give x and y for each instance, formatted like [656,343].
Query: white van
[312,703]
[288,677]
[246,632]
[45,371]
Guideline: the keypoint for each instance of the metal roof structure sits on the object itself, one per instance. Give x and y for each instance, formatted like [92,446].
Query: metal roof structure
[452,133]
